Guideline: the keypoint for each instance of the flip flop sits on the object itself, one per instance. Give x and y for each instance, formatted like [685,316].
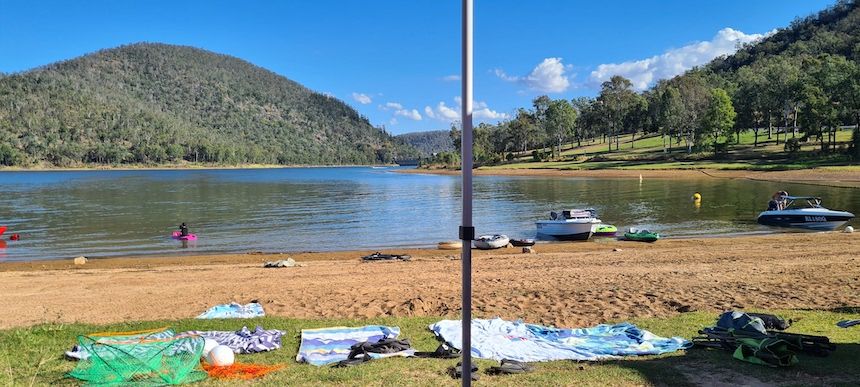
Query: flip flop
[510,367]
[457,372]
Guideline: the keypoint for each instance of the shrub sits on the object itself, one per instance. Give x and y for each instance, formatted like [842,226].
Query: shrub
[792,146]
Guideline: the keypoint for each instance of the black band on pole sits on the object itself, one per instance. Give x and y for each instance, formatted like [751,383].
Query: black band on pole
[467,233]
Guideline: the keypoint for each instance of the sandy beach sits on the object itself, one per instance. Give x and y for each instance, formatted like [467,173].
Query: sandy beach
[566,284]
[826,177]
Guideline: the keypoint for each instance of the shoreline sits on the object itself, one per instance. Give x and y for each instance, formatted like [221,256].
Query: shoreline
[183,167]
[564,284]
[823,177]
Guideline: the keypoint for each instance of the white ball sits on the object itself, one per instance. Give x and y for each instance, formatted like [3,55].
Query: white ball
[221,356]
[849,229]
[208,344]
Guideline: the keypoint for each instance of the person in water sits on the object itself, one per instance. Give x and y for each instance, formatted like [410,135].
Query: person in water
[183,230]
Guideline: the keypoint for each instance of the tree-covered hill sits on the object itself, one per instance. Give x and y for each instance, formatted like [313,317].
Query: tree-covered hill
[157,103]
[795,88]
[429,143]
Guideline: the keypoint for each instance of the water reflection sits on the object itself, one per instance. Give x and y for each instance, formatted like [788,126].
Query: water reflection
[97,213]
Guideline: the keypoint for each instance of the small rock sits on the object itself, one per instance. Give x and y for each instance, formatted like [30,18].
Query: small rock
[80,260]
[685,309]
[529,250]
[509,246]
[617,249]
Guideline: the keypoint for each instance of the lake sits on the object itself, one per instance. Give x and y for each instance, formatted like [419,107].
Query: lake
[111,213]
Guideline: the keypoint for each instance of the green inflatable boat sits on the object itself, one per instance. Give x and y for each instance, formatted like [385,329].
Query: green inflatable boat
[641,235]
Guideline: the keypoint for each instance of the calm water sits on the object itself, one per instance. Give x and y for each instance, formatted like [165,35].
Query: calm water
[105,213]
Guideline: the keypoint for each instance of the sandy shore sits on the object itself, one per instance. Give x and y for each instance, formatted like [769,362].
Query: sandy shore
[834,178]
[568,284]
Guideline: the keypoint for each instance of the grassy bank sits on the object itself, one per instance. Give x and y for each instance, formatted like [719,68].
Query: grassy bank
[33,356]
[648,153]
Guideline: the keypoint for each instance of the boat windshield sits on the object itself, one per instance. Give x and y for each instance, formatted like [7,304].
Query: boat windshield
[811,202]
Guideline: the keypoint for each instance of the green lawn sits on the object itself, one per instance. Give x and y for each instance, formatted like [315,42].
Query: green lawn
[33,356]
[647,153]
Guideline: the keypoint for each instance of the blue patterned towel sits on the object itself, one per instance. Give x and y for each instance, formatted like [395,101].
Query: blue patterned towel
[330,345]
[499,339]
[245,340]
[234,310]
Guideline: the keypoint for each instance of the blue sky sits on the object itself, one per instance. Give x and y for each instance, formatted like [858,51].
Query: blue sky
[396,61]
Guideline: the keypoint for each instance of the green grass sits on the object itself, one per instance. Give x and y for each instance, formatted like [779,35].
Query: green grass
[33,356]
[647,153]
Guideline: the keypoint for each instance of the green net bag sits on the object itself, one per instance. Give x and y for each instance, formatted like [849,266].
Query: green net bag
[143,358]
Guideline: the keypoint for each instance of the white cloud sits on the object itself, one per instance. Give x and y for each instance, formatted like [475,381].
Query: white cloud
[645,72]
[362,98]
[392,121]
[480,111]
[399,110]
[446,113]
[410,114]
[451,78]
[548,76]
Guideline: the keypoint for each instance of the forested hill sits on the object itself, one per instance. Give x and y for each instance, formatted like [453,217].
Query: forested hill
[157,103]
[429,143]
[794,94]
[832,31]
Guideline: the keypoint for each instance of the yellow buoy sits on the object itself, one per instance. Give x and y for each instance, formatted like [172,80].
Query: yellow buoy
[697,197]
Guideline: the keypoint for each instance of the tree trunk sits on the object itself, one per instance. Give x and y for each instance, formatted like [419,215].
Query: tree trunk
[769,126]
[633,140]
[855,139]
[755,142]
[821,139]
[794,127]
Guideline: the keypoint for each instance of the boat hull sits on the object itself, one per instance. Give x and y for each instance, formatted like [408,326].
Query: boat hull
[486,243]
[806,220]
[565,230]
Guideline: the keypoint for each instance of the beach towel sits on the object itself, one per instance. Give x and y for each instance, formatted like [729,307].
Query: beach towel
[331,345]
[244,340]
[234,310]
[499,339]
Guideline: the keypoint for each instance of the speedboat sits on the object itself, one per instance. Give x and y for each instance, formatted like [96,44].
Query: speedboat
[812,217]
[577,224]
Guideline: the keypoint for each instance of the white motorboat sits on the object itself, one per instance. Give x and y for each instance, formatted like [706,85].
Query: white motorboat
[813,217]
[577,224]
[489,242]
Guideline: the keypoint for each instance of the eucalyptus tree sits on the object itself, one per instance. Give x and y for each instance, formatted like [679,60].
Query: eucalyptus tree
[719,118]
[560,121]
[616,97]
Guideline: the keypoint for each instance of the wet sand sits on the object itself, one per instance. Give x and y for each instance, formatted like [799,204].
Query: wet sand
[566,284]
[832,178]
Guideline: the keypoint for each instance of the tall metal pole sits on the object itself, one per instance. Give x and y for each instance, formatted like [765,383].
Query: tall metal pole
[467,231]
